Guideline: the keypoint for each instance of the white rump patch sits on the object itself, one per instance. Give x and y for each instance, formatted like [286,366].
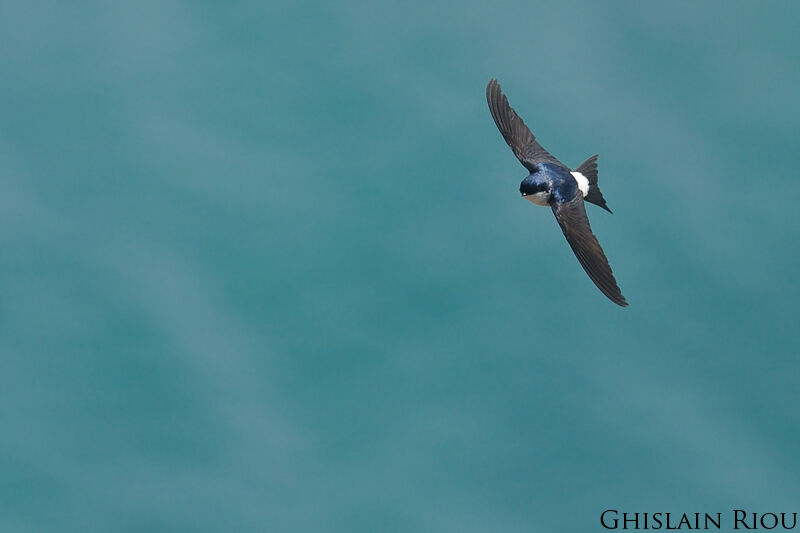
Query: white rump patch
[583,182]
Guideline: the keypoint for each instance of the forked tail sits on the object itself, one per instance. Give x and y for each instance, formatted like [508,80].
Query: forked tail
[589,169]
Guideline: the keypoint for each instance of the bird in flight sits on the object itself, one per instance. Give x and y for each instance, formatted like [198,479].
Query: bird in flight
[552,183]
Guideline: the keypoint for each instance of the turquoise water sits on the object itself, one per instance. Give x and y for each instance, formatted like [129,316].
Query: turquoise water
[265,266]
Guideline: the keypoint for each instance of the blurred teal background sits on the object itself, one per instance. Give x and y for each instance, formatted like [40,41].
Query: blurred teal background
[265,266]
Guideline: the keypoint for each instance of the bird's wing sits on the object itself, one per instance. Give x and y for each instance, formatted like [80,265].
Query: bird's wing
[515,132]
[572,218]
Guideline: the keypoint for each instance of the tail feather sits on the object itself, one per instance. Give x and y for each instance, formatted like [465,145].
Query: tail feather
[589,169]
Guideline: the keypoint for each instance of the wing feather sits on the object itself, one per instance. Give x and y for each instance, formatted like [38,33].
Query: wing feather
[518,136]
[574,223]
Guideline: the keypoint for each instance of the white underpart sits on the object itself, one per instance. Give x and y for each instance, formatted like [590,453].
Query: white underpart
[583,182]
[539,198]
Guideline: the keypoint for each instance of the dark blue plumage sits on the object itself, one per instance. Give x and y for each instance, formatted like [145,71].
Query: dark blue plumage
[553,178]
[563,185]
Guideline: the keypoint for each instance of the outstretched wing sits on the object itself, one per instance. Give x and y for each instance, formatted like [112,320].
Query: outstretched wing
[515,132]
[572,218]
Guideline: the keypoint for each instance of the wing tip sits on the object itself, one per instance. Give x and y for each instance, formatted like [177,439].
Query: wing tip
[610,290]
[492,88]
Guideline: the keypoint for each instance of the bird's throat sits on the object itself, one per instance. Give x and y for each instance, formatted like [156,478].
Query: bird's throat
[539,198]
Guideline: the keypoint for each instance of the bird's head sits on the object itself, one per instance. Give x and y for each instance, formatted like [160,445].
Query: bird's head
[537,191]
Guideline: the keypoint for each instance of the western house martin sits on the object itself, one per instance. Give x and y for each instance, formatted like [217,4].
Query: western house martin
[552,183]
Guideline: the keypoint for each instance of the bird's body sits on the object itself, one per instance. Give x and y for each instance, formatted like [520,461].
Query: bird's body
[550,177]
[551,183]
